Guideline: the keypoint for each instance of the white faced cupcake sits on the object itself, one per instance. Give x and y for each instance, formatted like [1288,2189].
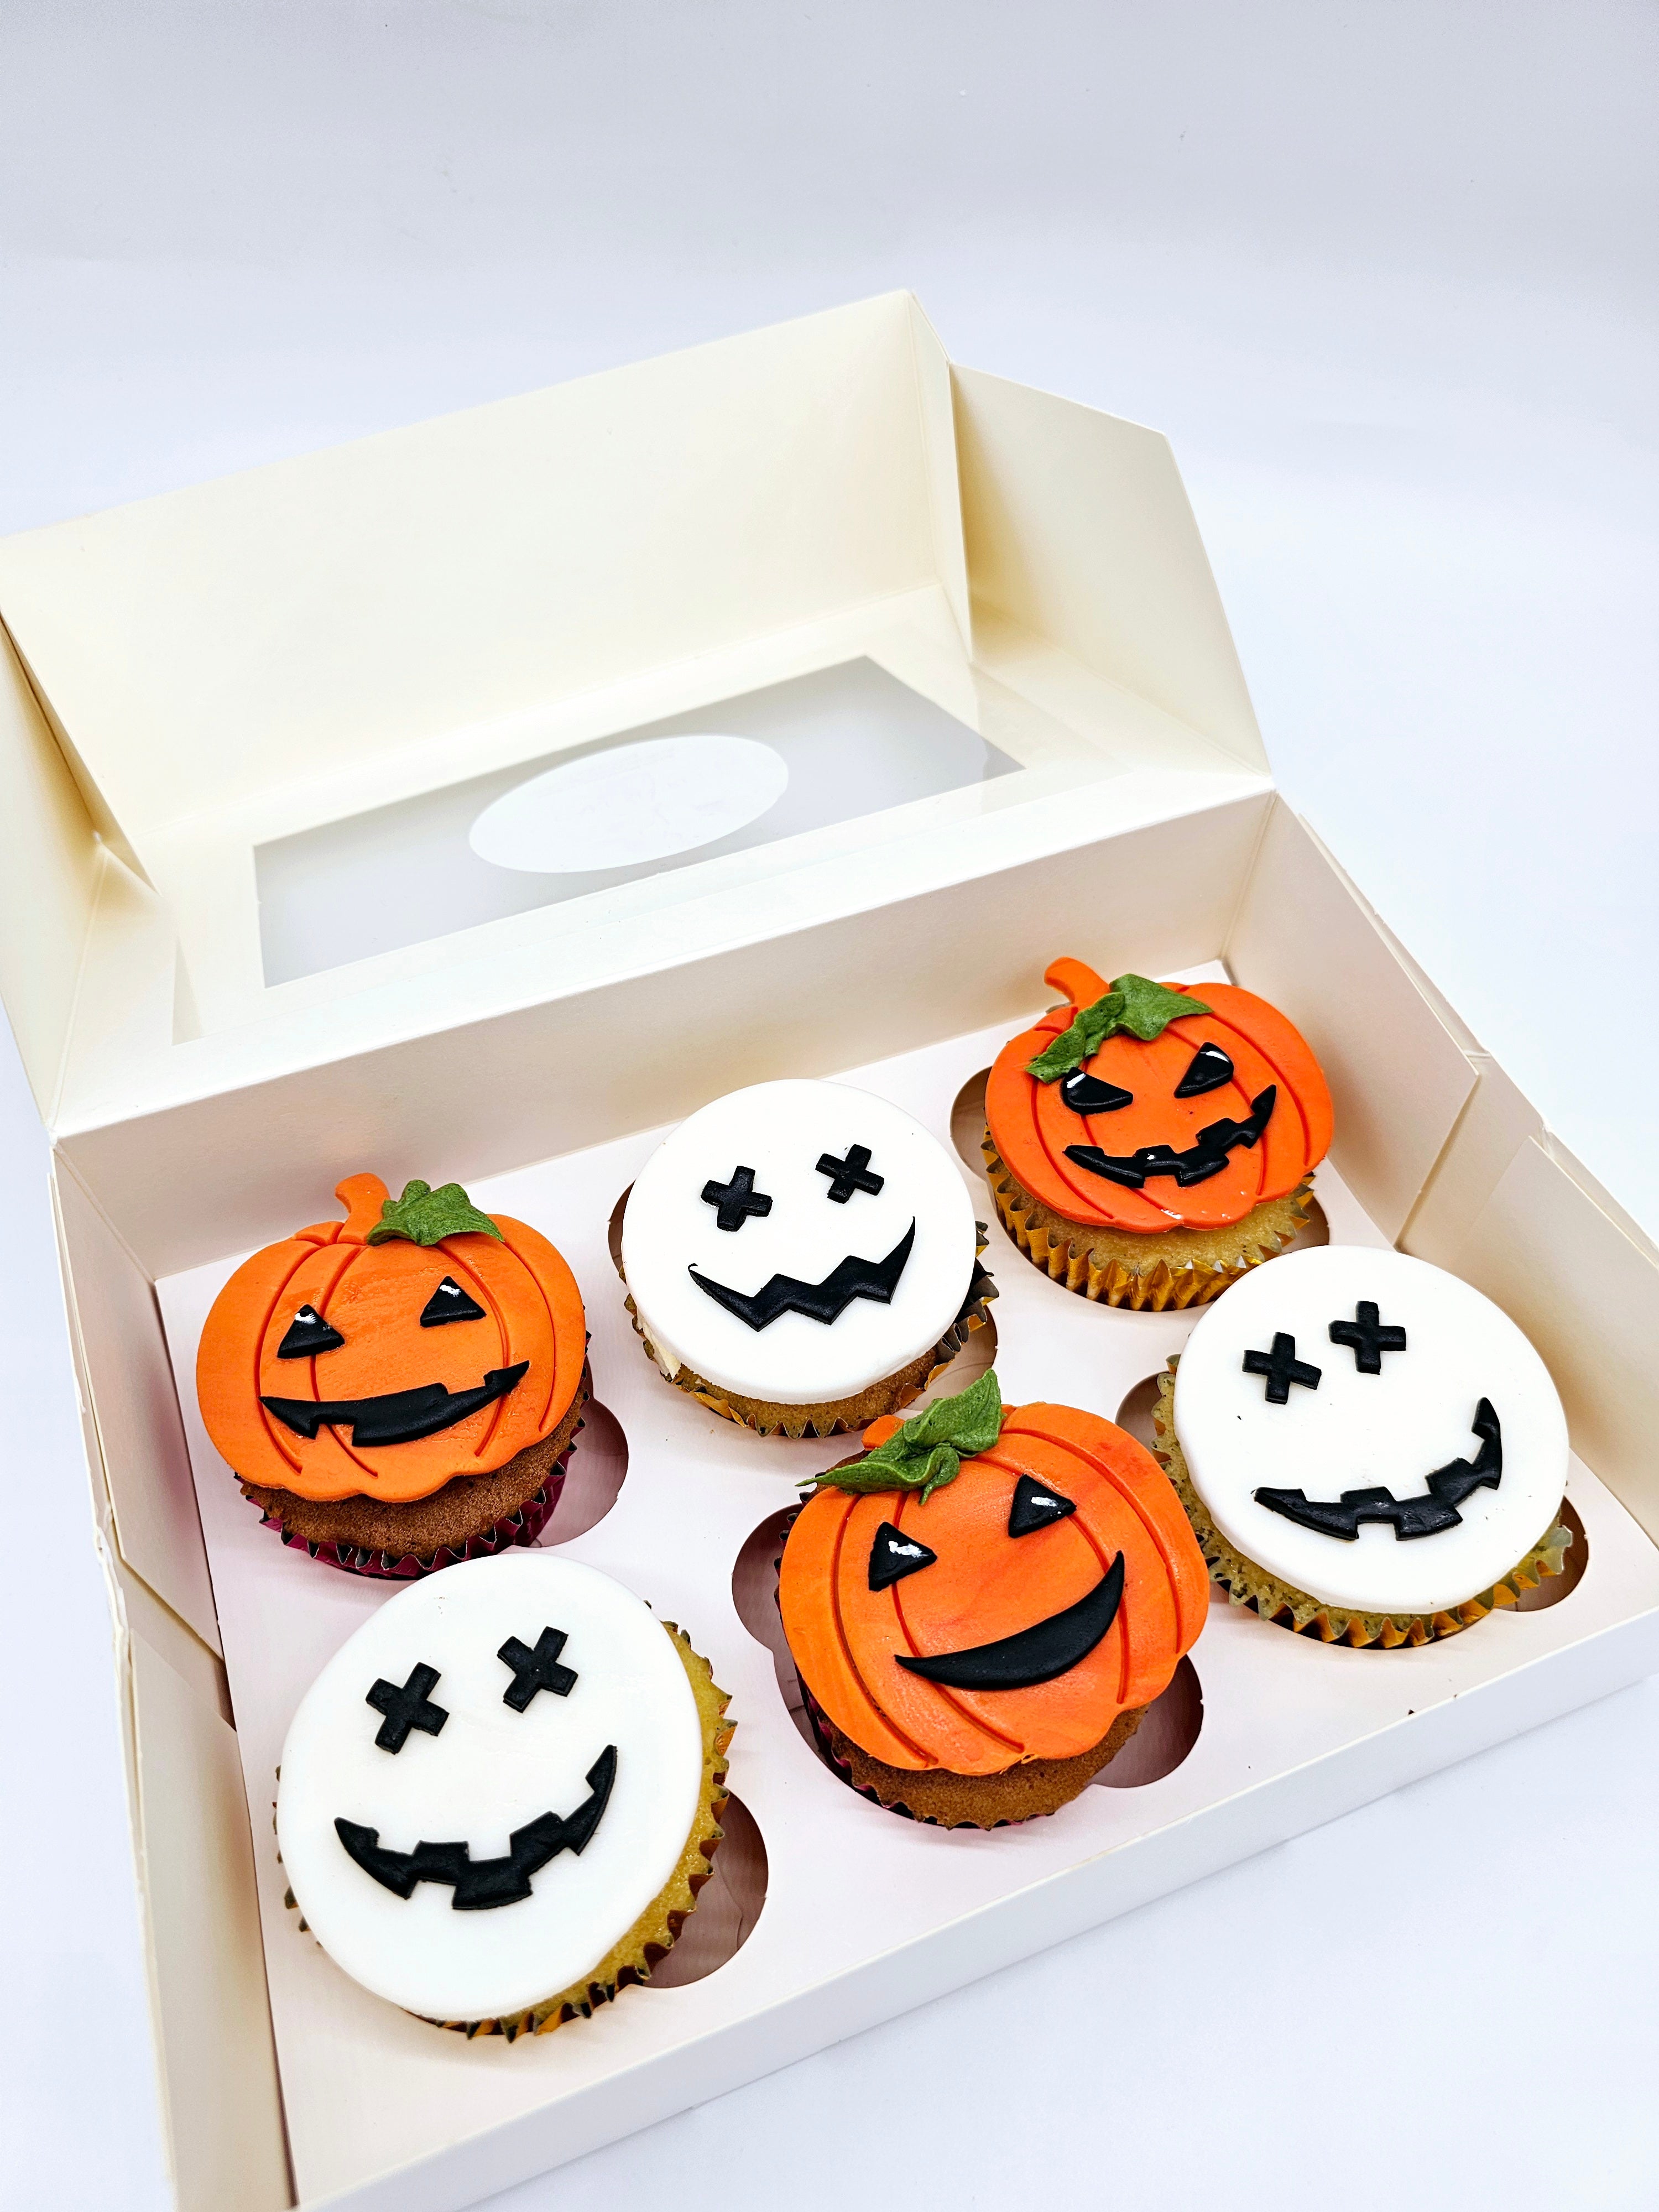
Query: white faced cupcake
[1368,1449]
[498,1800]
[802,1256]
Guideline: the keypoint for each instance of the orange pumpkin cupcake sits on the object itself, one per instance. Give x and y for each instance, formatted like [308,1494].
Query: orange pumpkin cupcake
[982,1608]
[1148,1144]
[400,1389]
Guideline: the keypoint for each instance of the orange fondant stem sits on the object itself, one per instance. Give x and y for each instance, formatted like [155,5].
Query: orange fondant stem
[1077,979]
[878,1431]
[362,1197]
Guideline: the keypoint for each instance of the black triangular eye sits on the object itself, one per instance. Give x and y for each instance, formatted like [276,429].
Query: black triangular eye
[309,1333]
[1036,1505]
[893,1555]
[449,1302]
[1209,1069]
[1087,1094]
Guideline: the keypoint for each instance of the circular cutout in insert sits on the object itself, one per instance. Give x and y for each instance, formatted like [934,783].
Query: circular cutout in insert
[968,1121]
[613,1233]
[1165,1736]
[755,1594]
[592,1479]
[728,1903]
[1554,1587]
[625,806]
[1135,1413]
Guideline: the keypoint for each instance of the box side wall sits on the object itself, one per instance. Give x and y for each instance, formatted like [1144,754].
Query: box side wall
[139,1438]
[230,1171]
[1303,939]
[1078,529]
[219,2064]
[206,645]
[49,868]
[1587,1296]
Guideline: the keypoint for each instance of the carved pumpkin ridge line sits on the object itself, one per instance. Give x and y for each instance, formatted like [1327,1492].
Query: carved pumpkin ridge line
[306,1253]
[1125,1490]
[949,1697]
[506,1225]
[924,1757]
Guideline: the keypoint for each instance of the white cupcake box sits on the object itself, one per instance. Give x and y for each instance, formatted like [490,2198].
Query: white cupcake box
[977,626]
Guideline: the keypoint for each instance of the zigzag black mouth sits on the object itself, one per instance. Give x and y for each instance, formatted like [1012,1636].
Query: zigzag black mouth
[480,1884]
[1435,1508]
[851,1278]
[396,1417]
[1205,1155]
[1036,1654]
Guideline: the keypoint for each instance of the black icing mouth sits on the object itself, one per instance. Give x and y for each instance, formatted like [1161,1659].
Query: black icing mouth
[851,1278]
[396,1417]
[1037,1654]
[1205,1155]
[1426,1514]
[482,1884]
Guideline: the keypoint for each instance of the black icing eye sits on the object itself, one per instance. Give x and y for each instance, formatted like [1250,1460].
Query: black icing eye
[734,1201]
[1087,1094]
[849,1174]
[410,1707]
[1036,1505]
[1368,1337]
[536,1670]
[893,1555]
[449,1302]
[1282,1368]
[309,1333]
[1208,1069]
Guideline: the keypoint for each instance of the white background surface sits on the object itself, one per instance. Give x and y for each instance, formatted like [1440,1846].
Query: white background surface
[1385,274]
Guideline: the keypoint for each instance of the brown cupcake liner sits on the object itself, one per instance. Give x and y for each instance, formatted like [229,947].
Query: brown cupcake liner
[653,1934]
[894,1392]
[936,1798]
[1286,1607]
[1159,1273]
[520,1523]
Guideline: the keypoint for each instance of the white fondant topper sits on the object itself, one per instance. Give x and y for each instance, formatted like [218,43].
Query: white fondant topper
[1429,1398]
[467,1834]
[797,1242]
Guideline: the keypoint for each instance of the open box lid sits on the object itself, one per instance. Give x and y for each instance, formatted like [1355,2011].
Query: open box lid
[195,678]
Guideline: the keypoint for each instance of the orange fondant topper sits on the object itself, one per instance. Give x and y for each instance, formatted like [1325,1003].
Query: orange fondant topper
[1230,1098]
[396,1328]
[1024,1534]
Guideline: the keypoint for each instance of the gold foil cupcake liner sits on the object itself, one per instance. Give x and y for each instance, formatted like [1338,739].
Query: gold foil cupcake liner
[1156,1273]
[1286,1607]
[889,1396]
[654,1934]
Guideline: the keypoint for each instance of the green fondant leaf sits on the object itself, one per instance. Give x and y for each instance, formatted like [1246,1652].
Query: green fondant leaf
[426,1215]
[1134,1003]
[928,1452]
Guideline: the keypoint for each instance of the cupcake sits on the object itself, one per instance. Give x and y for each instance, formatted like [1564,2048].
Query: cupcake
[802,1257]
[570,1748]
[1149,1144]
[400,1389]
[981,1607]
[1368,1449]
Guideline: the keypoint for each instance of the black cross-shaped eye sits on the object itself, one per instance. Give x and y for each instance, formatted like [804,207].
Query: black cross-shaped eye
[1037,1506]
[849,1174]
[893,1555]
[734,1201]
[1282,1368]
[1368,1340]
[407,1708]
[536,1670]
[1208,1069]
[1087,1094]
[449,1302]
[309,1333]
